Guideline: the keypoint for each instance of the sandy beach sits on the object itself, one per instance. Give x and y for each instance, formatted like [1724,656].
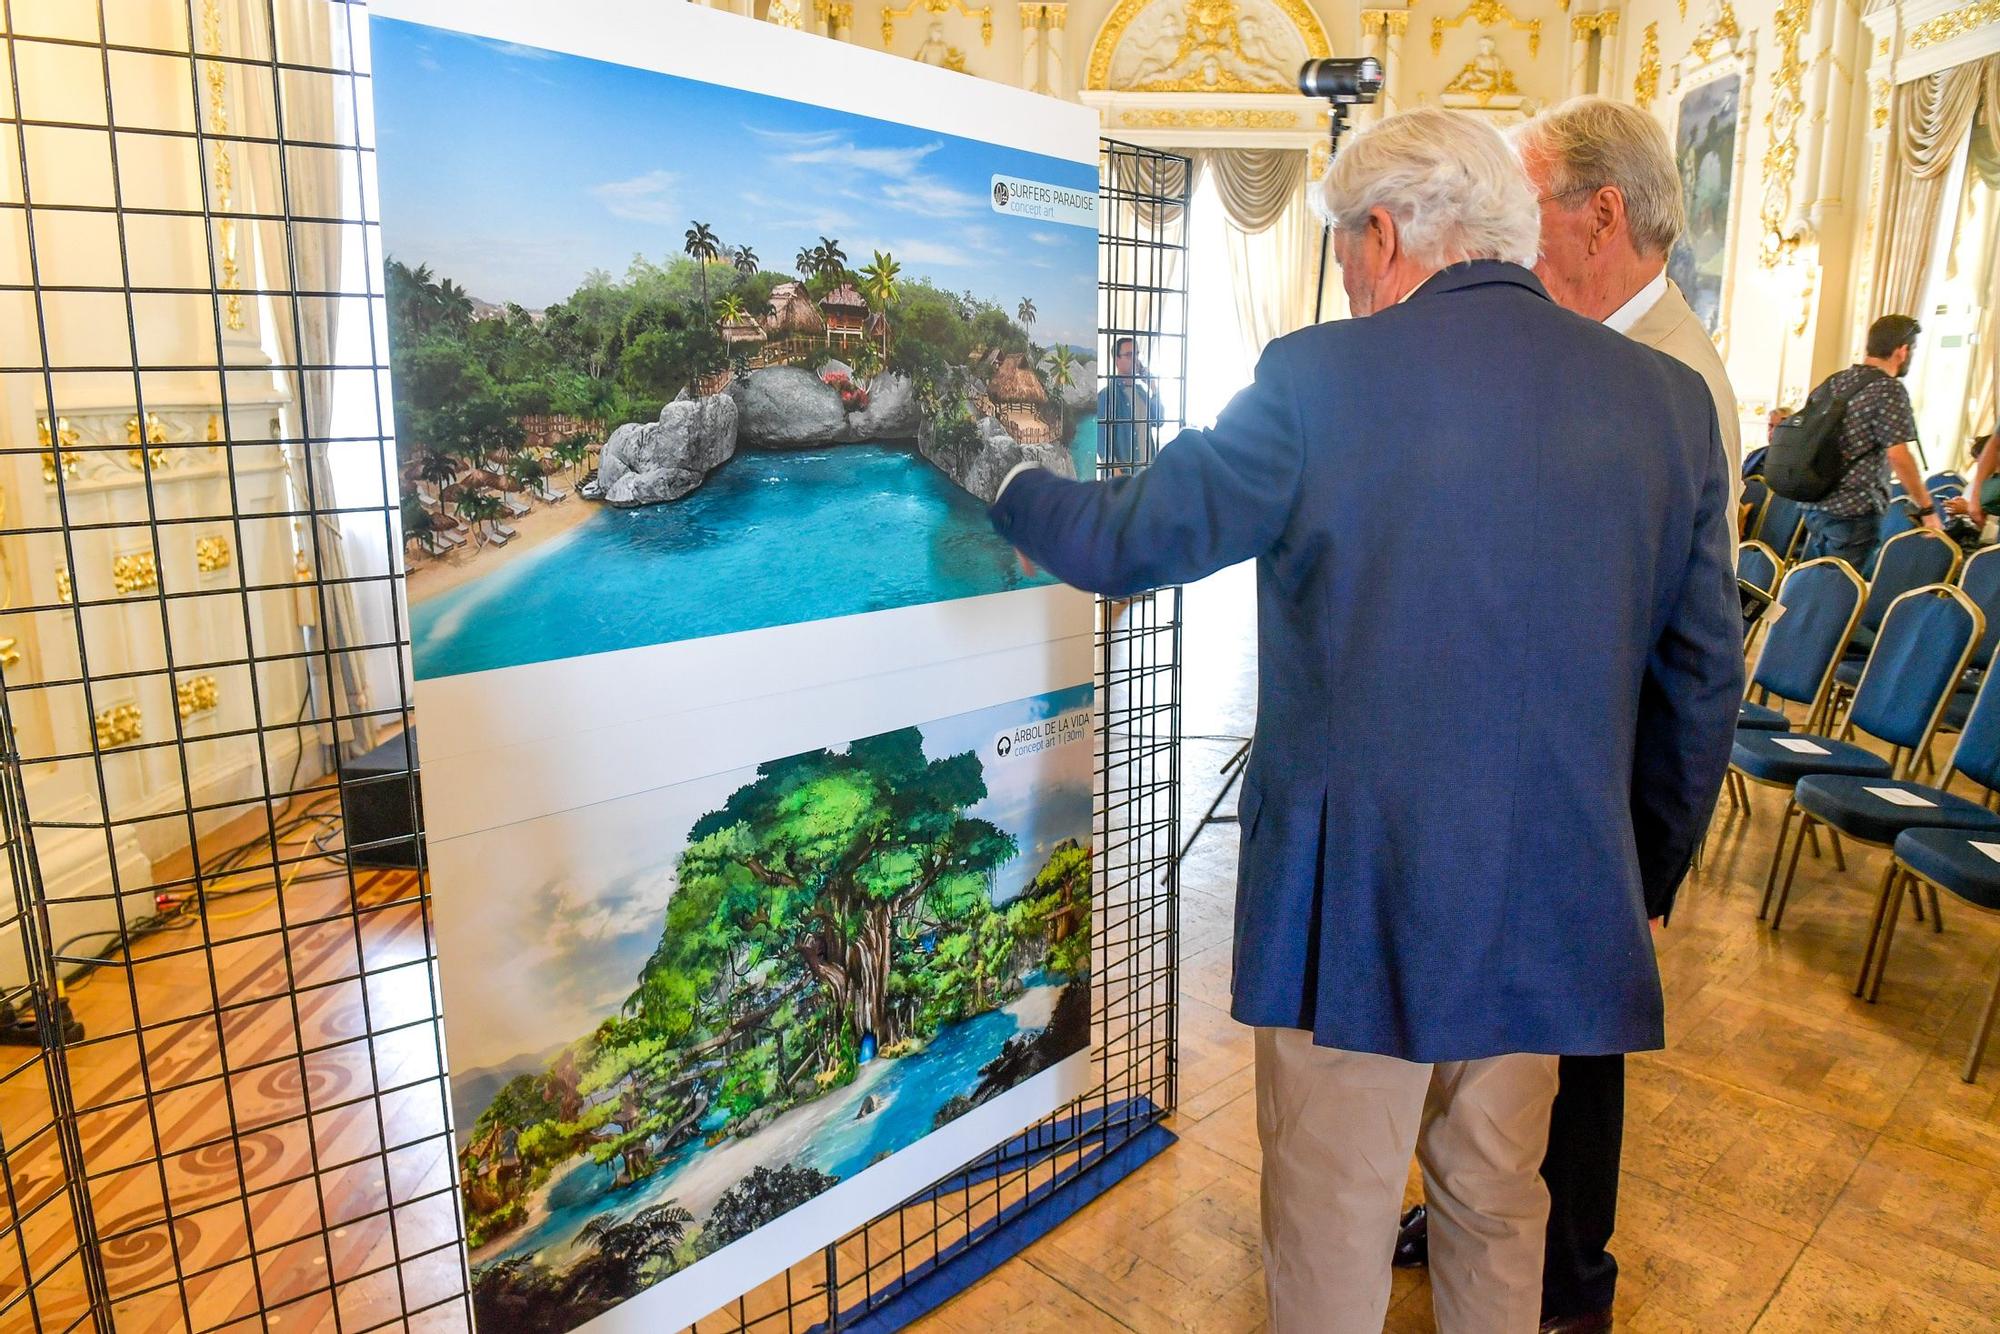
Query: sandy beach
[431,575]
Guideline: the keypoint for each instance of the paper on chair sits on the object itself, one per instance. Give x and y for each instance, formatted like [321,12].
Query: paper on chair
[1801,745]
[1896,796]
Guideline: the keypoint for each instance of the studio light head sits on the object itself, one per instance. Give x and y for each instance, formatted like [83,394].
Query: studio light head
[1347,81]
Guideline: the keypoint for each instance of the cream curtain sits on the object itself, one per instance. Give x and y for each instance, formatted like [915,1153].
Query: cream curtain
[1145,276]
[1272,240]
[304,257]
[1929,118]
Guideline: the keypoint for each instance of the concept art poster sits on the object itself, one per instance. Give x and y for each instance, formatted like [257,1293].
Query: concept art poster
[693,1029]
[710,341]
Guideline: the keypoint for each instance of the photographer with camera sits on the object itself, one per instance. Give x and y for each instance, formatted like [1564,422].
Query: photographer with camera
[1128,407]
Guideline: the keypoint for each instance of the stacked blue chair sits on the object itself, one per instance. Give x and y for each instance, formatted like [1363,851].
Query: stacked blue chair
[1918,659]
[1755,495]
[1980,578]
[1964,864]
[1783,525]
[1875,810]
[1944,478]
[1906,561]
[1758,566]
[1820,601]
[1894,520]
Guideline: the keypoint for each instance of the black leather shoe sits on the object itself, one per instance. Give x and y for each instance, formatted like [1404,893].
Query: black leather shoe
[1413,1241]
[1596,1322]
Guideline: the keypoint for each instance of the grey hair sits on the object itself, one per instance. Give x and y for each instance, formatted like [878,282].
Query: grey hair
[1454,189]
[1592,142]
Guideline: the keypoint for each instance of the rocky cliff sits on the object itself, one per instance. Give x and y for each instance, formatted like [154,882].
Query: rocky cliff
[650,462]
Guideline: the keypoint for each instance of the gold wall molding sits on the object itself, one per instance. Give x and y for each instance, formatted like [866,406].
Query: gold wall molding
[134,572]
[1392,22]
[1646,83]
[1200,118]
[66,434]
[212,553]
[786,14]
[1722,30]
[64,590]
[1604,22]
[217,75]
[154,434]
[198,694]
[1097,74]
[1781,122]
[1878,104]
[118,725]
[1487,14]
[1957,23]
[984,14]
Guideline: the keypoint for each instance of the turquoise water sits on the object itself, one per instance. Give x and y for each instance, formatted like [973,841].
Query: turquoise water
[770,539]
[912,1090]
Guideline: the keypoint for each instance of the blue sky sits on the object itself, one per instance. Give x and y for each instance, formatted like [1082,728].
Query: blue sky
[515,171]
[571,905]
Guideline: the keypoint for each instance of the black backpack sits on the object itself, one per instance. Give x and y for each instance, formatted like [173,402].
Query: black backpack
[1803,461]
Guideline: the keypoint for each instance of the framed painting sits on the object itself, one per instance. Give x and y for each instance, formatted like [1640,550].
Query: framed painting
[1709,143]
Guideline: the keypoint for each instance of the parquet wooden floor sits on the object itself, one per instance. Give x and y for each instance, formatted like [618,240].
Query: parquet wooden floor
[1796,1159]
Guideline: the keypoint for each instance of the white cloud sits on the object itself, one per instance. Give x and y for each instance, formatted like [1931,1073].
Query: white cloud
[816,139]
[517,50]
[931,198]
[891,174]
[898,163]
[646,198]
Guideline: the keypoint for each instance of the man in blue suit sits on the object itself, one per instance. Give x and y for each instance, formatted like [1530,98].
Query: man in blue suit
[1475,762]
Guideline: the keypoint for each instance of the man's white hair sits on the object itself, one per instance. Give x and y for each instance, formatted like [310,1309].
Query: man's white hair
[1592,142]
[1454,188]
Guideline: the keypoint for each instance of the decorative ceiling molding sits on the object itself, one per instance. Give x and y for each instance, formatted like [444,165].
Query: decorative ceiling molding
[1208,22]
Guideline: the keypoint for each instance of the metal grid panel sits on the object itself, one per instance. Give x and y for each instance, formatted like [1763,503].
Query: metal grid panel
[251,1129]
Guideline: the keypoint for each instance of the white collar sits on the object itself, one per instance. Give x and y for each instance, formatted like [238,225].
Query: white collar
[1622,319]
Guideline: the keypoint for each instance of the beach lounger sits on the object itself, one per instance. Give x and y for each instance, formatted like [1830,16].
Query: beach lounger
[517,508]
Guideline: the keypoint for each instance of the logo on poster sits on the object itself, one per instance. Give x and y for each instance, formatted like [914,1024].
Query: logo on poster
[1045,734]
[1044,202]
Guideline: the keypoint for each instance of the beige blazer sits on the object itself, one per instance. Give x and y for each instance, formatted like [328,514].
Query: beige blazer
[1671,327]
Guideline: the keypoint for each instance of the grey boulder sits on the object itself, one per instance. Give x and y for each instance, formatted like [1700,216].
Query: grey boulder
[892,412]
[783,407]
[979,466]
[652,462]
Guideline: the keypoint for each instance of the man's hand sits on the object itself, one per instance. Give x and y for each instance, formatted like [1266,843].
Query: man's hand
[1027,566]
[1933,522]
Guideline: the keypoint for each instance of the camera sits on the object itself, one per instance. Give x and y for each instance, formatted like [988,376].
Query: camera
[1346,80]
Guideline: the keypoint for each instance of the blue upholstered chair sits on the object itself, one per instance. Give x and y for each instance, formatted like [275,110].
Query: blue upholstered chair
[1894,520]
[1918,659]
[1906,561]
[1822,601]
[1784,523]
[1964,864]
[1756,495]
[1980,578]
[1758,565]
[1949,491]
[1875,810]
[1945,478]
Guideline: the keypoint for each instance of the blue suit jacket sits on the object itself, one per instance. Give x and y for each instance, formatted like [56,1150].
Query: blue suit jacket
[1499,661]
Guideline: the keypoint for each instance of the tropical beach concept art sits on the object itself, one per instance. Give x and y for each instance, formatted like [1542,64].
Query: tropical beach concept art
[673,360]
[699,1009]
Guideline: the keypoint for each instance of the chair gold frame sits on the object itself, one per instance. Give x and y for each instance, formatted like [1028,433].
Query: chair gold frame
[1902,766]
[1777,580]
[1902,877]
[1842,693]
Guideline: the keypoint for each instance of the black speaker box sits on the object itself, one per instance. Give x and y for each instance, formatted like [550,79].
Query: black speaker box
[379,792]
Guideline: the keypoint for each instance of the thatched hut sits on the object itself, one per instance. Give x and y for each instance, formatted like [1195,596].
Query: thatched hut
[846,314]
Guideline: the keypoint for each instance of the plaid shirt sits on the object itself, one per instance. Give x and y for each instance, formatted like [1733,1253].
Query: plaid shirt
[1878,416]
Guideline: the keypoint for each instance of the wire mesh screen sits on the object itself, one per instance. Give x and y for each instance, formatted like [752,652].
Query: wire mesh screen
[222,1089]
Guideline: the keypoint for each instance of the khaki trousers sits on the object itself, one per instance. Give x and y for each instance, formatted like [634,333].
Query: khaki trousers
[1338,1128]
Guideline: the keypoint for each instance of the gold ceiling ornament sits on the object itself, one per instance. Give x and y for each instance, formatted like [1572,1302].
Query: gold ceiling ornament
[1646,83]
[134,572]
[1722,30]
[1488,14]
[1206,118]
[1097,75]
[196,695]
[66,435]
[1605,22]
[155,434]
[1485,76]
[1781,121]
[212,553]
[984,14]
[954,60]
[225,172]
[119,725]
[1957,23]
[1211,56]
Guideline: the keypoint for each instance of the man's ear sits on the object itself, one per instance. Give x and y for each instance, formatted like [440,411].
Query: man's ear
[1382,229]
[1607,208]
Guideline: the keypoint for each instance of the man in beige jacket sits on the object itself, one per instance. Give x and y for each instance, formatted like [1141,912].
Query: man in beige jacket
[1611,211]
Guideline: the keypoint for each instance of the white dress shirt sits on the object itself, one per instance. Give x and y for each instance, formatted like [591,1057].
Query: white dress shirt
[1622,319]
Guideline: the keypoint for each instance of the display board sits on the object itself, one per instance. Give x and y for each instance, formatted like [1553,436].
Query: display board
[757,771]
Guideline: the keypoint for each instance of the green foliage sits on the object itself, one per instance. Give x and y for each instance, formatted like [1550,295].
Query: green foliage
[767,1193]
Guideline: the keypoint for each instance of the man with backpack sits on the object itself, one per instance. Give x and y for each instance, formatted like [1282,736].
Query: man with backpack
[1875,431]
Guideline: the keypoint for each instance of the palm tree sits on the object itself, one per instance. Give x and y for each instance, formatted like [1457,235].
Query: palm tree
[1026,313]
[454,304]
[571,451]
[702,245]
[525,473]
[438,468]
[620,1250]
[829,257]
[1061,375]
[418,522]
[478,508]
[806,261]
[729,308]
[746,261]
